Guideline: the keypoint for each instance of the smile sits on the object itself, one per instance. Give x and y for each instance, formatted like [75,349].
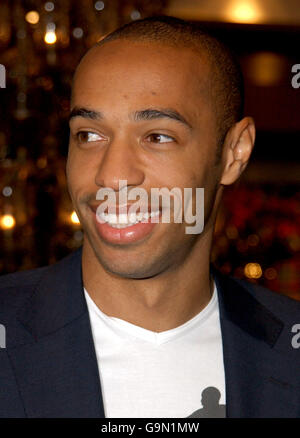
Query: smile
[125,228]
[125,220]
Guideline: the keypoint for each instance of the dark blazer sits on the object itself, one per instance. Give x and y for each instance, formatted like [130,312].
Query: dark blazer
[49,366]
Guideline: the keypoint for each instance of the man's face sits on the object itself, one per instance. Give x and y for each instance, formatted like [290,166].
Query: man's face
[120,139]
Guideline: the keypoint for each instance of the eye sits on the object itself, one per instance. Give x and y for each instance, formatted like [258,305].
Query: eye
[87,136]
[160,138]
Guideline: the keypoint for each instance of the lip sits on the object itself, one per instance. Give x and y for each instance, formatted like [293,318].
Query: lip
[123,236]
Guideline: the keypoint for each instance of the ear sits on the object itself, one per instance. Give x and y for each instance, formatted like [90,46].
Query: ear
[238,146]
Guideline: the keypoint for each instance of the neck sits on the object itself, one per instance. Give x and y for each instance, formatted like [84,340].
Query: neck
[158,303]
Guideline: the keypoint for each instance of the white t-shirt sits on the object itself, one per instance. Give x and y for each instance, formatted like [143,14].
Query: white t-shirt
[172,374]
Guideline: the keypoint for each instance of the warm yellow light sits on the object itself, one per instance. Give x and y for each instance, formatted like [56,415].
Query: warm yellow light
[50,37]
[243,12]
[74,218]
[253,270]
[7,221]
[32,17]
[266,68]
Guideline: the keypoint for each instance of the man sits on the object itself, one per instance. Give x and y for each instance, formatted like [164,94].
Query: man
[136,323]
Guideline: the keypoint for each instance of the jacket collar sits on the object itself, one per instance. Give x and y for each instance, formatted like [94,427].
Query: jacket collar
[239,306]
[261,378]
[58,299]
[253,373]
[57,372]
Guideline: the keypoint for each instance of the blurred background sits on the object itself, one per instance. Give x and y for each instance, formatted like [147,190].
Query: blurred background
[257,234]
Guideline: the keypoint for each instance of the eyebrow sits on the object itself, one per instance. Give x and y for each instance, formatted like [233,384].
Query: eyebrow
[85,113]
[146,114]
[152,114]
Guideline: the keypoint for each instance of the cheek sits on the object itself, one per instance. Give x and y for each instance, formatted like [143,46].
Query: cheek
[71,172]
[79,175]
[205,176]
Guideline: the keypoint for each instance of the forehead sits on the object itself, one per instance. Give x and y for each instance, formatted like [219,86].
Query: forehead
[123,69]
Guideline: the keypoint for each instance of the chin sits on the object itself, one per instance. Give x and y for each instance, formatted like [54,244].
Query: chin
[127,269]
[123,264]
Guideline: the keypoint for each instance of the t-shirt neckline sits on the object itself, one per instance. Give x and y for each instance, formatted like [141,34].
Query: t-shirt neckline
[148,335]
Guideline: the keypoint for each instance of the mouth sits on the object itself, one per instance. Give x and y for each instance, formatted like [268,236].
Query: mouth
[124,220]
[124,226]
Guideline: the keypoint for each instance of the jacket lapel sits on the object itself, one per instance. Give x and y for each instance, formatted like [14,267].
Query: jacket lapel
[261,380]
[57,371]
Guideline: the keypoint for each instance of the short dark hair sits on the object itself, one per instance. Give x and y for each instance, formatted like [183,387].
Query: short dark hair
[227,78]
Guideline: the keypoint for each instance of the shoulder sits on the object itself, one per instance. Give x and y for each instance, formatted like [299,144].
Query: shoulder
[280,305]
[15,290]
[17,287]
[21,279]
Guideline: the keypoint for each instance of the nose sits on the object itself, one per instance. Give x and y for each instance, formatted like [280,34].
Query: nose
[119,162]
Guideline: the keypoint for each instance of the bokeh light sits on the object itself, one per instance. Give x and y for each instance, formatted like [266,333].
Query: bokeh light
[74,218]
[32,17]
[253,270]
[7,221]
[243,11]
[50,37]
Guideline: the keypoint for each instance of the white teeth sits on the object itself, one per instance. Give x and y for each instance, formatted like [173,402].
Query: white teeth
[111,218]
[132,218]
[139,216]
[123,220]
[119,226]
[154,213]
